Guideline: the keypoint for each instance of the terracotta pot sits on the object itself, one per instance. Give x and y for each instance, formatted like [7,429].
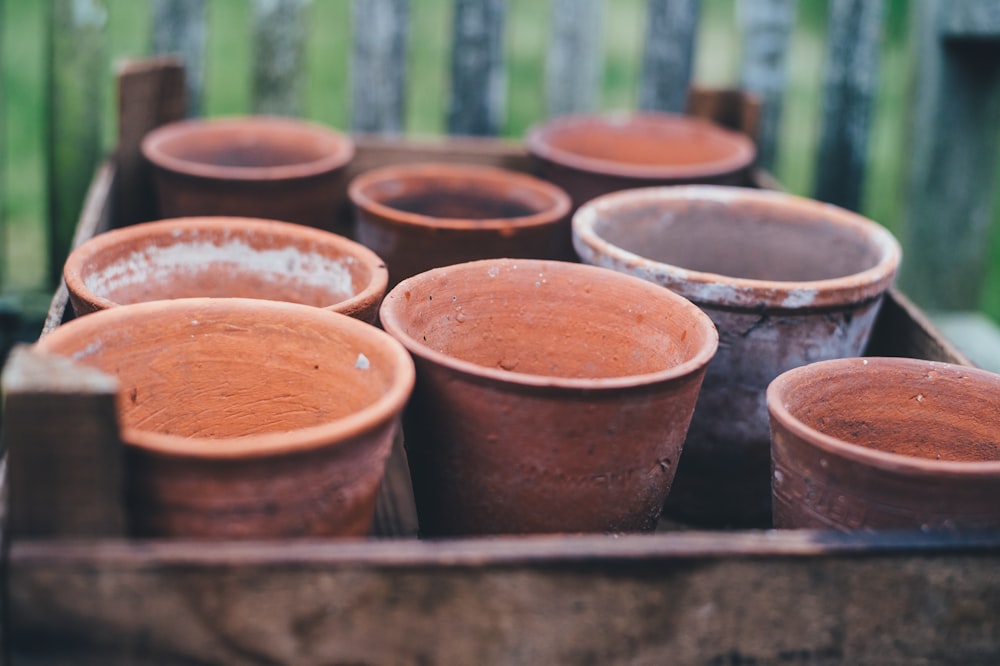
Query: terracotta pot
[257,166]
[884,443]
[225,257]
[551,397]
[423,216]
[786,280]
[246,418]
[589,155]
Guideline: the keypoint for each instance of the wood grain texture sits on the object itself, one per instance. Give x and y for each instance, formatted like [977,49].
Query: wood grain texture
[668,54]
[179,28]
[378,65]
[575,55]
[478,96]
[277,72]
[850,84]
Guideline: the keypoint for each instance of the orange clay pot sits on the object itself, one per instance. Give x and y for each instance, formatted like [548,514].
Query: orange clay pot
[589,155]
[550,397]
[256,166]
[422,216]
[246,418]
[786,280]
[885,443]
[225,257]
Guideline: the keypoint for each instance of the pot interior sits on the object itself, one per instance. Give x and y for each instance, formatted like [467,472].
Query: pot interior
[746,239]
[250,145]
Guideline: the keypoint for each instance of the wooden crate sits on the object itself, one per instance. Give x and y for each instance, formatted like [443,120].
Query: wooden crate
[79,592]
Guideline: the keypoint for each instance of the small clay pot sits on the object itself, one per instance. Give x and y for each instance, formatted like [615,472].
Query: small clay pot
[256,166]
[225,257]
[246,418]
[786,280]
[423,216]
[551,397]
[589,155]
[883,443]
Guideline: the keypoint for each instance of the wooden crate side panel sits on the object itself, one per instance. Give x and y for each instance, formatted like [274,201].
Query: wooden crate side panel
[901,329]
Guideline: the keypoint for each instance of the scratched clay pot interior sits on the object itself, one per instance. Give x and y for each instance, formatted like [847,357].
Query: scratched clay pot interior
[885,443]
[423,216]
[589,155]
[246,418]
[551,397]
[786,280]
[254,166]
[225,257]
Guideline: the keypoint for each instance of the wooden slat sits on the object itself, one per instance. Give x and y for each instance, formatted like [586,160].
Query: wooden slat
[574,59]
[850,82]
[478,83]
[77,70]
[766,26]
[378,65]
[279,36]
[903,330]
[671,26]
[972,19]
[732,108]
[179,28]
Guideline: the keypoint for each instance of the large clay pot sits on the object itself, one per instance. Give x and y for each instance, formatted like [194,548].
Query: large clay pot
[883,443]
[589,155]
[786,280]
[423,216]
[551,397]
[225,257]
[256,166]
[246,418]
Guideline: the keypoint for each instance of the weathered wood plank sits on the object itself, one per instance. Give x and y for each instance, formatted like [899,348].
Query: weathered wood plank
[901,329]
[478,96]
[972,19]
[179,28]
[61,434]
[378,65]
[671,27]
[949,198]
[279,36]
[77,67]
[574,59]
[766,27]
[850,82]
[732,108]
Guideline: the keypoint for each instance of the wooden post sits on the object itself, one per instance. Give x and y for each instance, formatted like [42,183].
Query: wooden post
[953,162]
[850,80]
[478,83]
[378,65]
[279,36]
[76,79]
[573,64]
[671,26]
[767,26]
[179,29]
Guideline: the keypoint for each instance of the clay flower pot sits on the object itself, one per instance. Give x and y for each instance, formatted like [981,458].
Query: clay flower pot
[885,443]
[551,397]
[225,257]
[256,166]
[786,280]
[589,155]
[423,216]
[246,418]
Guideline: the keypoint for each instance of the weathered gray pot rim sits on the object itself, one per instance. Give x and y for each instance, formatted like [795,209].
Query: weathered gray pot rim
[73,269]
[884,460]
[536,141]
[499,376]
[341,156]
[716,289]
[560,208]
[289,442]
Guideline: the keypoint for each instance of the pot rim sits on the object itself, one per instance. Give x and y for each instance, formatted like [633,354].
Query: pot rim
[883,460]
[358,192]
[742,149]
[333,433]
[726,291]
[341,146]
[82,255]
[390,322]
